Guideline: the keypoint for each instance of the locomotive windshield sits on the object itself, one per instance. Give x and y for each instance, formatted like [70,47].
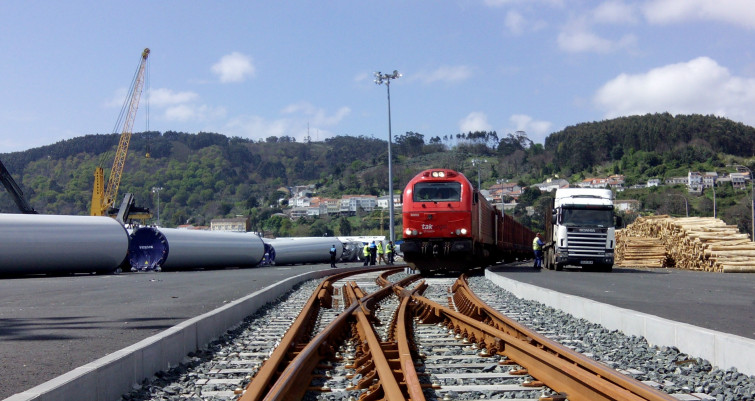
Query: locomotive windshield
[588,217]
[437,192]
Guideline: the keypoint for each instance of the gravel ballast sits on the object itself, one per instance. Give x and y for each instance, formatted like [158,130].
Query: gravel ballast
[668,368]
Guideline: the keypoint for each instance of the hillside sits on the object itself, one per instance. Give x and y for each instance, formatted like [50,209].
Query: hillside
[209,175]
[683,138]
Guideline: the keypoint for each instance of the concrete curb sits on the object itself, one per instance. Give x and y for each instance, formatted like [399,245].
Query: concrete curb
[721,349]
[108,378]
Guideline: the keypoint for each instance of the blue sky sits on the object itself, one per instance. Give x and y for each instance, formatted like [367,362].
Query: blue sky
[256,69]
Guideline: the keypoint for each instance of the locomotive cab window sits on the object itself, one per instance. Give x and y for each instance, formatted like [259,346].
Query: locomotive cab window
[437,192]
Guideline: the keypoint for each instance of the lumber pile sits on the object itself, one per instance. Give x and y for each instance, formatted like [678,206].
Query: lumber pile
[697,243]
[640,251]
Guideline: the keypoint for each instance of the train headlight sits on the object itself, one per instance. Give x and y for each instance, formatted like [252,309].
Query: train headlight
[461,231]
[438,174]
[409,232]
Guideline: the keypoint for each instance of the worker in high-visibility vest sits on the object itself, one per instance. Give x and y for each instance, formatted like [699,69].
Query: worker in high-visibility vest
[366,254]
[390,252]
[380,252]
[537,249]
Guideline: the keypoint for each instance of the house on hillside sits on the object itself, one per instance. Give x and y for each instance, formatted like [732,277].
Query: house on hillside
[616,182]
[709,179]
[552,184]
[237,224]
[739,180]
[694,182]
[629,205]
[384,201]
[676,180]
[351,203]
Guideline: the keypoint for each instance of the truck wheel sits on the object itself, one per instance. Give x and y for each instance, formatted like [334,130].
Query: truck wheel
[607,268]
[559,267]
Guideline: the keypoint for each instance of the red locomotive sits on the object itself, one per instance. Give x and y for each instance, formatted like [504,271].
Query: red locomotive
[449,226]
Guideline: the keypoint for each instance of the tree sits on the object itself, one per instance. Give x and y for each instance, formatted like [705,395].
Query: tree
[344,226]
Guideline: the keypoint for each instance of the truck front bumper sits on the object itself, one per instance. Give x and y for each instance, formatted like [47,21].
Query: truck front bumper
[563,257]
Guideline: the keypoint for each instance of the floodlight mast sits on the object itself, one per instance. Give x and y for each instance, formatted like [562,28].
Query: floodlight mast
[386,79]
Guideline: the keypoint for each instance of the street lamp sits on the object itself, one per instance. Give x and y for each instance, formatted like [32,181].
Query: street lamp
[386,79]
[156,190]
[477,162]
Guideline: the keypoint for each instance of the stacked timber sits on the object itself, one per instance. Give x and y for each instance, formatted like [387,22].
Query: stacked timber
[640,251]
[698,243]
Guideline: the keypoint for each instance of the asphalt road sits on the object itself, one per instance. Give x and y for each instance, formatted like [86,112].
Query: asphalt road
[51,325]
[717,301]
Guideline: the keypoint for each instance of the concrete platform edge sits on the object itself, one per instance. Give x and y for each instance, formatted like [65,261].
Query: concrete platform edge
[113,375]
[723,350]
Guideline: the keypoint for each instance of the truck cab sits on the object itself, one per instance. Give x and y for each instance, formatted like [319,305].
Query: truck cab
[580,230]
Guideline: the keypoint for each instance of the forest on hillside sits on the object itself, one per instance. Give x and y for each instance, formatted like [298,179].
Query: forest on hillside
[209,175]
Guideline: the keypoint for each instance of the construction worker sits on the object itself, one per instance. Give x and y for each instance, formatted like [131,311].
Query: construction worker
[366,254]
[390,252]
[537,249]
[381,253]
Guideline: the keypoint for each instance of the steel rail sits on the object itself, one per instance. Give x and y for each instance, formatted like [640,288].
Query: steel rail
[468,303]
[298,334]
[377,367]
[557,373]
[401,327]
[296,375]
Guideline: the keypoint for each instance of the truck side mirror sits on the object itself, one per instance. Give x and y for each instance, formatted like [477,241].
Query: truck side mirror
[619,221]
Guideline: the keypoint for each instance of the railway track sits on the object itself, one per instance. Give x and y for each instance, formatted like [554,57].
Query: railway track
[388,335]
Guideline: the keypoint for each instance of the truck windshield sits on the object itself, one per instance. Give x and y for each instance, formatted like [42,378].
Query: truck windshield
[437,192]
[588,217]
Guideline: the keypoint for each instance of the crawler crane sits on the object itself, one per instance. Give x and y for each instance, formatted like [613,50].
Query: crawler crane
[103,198]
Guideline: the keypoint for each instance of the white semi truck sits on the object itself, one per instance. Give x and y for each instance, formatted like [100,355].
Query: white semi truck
[580,229]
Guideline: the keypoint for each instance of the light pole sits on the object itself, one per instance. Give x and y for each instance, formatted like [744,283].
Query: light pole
[477,162]
[156,190]
[386,79]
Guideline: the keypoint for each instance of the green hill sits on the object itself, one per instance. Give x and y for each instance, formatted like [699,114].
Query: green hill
[209,175]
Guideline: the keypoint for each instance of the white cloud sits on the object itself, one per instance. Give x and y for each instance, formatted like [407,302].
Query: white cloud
[256,127]
[298,121]
[615,12]
[536,130]
[189,112]
[738,12]
[502,3]
[446,74]
[515,22]
[698,86]
[475,121]
[165,97]
[576,39]
[499,3]
[234,67]
[316,116]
